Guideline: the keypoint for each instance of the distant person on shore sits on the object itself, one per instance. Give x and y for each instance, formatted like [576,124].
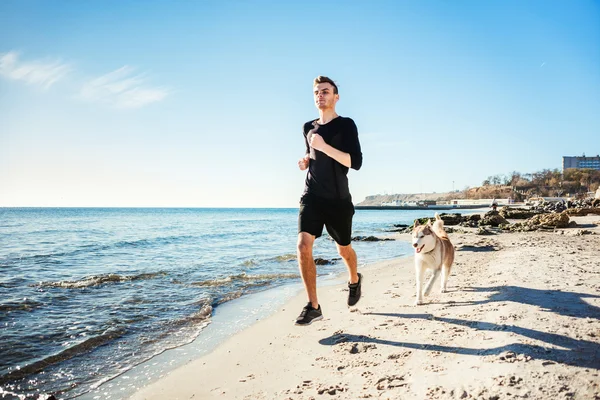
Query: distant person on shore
[494,204]
[332,147]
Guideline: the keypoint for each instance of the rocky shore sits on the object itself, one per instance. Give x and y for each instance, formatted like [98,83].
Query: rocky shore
[546,216]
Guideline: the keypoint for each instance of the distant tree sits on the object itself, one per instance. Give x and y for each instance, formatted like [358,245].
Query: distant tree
[546,182]
[585,180]
[523,183]
[515,177]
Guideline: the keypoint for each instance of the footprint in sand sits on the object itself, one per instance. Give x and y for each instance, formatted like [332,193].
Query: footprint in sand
[390,382]
[354,348]
[247,378]
[434,368]
[512,380]
[400,358]
[331,390]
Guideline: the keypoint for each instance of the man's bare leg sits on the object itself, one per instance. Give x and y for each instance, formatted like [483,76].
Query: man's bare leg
[308,269]
[349,256]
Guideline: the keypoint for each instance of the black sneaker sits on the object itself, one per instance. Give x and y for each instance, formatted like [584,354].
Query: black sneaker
[354,289]
[309,315]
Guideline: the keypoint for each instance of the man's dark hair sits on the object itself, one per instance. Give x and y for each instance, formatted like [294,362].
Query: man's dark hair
[324,79]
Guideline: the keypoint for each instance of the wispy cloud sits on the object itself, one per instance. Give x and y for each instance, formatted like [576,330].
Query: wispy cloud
[40,73]
[544,63]
[122,88]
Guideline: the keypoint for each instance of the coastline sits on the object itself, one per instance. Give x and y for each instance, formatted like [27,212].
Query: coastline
[225,323]
[424,208]
[516,331]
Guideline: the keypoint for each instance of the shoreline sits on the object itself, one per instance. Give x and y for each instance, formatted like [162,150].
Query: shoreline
[518,331]
[279,318]
[222,328]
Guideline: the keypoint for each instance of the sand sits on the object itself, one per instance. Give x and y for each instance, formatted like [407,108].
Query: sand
[520,320]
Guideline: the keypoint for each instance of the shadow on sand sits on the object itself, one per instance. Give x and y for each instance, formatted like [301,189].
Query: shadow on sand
[570,304]
[477,249]
[571,351]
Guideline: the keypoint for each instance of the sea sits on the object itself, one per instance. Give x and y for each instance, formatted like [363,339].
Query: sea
[97,302]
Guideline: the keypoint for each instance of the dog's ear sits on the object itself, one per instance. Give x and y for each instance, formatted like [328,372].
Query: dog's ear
[416,223]
[429,222]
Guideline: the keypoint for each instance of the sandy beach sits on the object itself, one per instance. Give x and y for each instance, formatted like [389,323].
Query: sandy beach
[521,320]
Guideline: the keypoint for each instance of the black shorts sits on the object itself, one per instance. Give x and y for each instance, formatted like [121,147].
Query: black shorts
[335,215]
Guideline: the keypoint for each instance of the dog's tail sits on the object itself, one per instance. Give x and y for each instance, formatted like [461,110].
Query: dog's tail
[438,227]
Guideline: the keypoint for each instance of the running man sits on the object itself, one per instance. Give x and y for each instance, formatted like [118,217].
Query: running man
[332,147]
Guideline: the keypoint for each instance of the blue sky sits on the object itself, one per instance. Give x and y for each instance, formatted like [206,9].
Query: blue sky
[201,103]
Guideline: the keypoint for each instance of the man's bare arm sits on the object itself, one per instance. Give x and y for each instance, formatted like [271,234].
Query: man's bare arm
[318,143]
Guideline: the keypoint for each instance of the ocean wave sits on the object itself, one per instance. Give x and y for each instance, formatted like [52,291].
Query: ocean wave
[12,282]
[15,225]
[97,280]
[243,277]
[204,313]
[80,348]
[228,297]
[5,393]
[24,305]
[285,257]
[172,334]
[95,248]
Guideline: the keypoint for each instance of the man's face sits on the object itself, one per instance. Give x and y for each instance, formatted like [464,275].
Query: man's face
[324,97]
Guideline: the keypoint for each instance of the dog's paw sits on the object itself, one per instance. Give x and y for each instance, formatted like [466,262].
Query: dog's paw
[418,302]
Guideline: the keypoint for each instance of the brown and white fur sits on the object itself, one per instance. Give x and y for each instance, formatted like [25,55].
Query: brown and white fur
[433,250]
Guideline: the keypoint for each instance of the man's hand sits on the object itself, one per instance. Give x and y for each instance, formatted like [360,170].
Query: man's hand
[317,142]
[303,162]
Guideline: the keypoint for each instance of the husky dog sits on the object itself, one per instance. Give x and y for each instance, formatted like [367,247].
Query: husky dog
[434,251]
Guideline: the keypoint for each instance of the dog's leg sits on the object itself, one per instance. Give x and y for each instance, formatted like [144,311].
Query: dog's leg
[445,273]
[420,273]
[431,280]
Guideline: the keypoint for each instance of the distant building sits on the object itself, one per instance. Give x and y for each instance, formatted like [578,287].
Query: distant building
[581,162]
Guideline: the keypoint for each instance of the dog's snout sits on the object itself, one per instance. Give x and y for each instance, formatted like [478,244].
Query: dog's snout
[415,245]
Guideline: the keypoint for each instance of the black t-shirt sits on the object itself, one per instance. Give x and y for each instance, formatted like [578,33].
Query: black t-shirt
[326,177]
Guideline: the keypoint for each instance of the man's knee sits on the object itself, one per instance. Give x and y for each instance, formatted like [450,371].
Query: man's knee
[345,252]
[305,244]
